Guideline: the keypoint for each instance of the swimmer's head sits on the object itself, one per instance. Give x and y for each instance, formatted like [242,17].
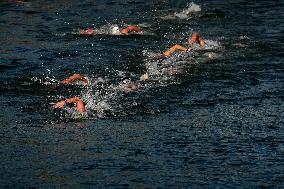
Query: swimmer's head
[193,38]
[115,30]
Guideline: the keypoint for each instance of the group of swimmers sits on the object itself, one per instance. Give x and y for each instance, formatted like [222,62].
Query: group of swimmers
[131,29]
[195,38]
[80,106]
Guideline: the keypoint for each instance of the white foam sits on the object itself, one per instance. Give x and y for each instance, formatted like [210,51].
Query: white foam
[244,37]
[181,15]
[209,45]
[115,30]
[185,13]
[192,8]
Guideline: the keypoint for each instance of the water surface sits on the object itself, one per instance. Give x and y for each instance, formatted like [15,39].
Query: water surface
[216,124]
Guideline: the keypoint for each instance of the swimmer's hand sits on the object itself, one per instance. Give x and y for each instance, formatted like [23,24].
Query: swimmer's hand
[59,105]
[85,82]
[189,49]
[79,104]
[88,31]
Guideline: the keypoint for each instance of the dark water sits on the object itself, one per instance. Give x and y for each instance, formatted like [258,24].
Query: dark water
[213,125]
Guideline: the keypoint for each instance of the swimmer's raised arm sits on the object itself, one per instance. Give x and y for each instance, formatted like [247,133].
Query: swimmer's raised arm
[196,38]
[175,48]
[74,78]
[131,28]
[80,106]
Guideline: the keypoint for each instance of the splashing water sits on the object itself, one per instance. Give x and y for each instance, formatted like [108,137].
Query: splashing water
[192,8]
[209,45]
[185,13]
[164,69]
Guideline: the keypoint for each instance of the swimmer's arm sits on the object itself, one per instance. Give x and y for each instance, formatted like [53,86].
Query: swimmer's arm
[201,42]
[196,38]
[80,106]
[173,49]
[132,28]
[74,78]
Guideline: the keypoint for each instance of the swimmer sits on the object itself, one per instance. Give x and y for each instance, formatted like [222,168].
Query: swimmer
[131,86]
[75,77]
[80,106]
[195,38]
[114,31]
